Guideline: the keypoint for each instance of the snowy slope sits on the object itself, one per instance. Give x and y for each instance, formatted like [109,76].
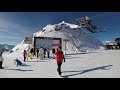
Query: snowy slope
[20,47]
[78,38]
[76,66]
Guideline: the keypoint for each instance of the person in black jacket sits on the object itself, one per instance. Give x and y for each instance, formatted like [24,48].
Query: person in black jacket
[25,55]
[53,51]
[45,49]
[37,52]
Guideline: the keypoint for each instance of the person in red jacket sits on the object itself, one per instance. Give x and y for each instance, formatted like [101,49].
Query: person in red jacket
[59,59]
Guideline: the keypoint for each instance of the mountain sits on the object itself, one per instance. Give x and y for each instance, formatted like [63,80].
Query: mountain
[78,37]
[6,47]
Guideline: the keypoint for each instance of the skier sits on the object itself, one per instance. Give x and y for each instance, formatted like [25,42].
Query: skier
[45,52]
[31,53]
[41,51]
[48,52]
[37,52]
[25,55]
[59,59]
[19,62]
[1,61]
[53,51]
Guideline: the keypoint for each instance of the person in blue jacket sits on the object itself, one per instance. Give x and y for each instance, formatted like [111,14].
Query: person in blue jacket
[19,62]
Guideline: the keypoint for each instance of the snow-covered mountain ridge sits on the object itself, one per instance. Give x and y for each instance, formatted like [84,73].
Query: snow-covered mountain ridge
[78,37]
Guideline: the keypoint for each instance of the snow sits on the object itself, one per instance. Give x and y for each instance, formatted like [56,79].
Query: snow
[111,43]
[95,64]
[21,47]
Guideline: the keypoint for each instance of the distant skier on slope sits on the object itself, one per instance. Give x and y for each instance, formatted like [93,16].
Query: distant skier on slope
[59,59]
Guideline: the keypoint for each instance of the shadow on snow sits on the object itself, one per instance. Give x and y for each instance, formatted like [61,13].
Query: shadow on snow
[82,53]
[71,57]
[85,71]
[19,69]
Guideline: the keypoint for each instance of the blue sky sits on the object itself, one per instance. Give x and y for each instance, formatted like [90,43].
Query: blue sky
[15,26]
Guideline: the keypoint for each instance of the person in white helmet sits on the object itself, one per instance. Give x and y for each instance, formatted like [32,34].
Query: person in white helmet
[41,52]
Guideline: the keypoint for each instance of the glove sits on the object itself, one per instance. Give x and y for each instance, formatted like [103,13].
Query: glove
[64,60]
